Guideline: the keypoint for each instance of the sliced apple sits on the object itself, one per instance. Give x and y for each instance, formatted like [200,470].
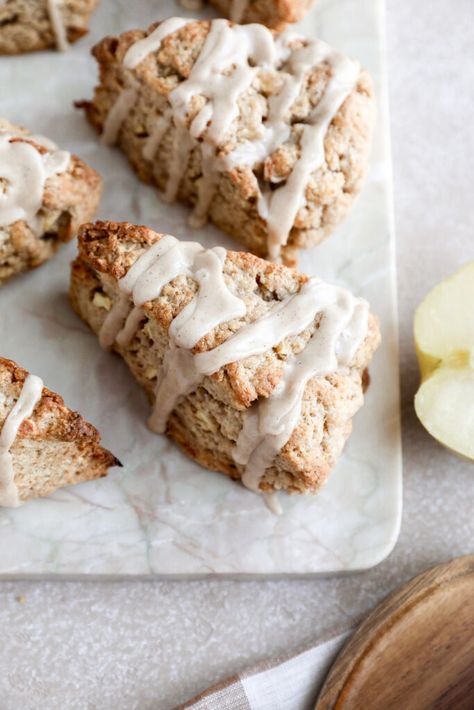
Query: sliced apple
[444,338]
[445,406]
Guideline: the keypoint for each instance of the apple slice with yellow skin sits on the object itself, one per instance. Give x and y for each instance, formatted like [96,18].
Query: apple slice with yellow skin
[444,339]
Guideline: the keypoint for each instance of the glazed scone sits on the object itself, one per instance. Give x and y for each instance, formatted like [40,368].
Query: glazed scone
[253,369]
[45,194]
[44,445]
[30,25]
[267,135]
[275,14]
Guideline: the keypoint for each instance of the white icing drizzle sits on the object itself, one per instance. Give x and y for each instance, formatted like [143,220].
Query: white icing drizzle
[182,147]
[284,319]
[143,47]
[207,187]
[114,321]
[23,174]
[272,502]
[230,49]
[268,426]
[212,305]
[23,408]
[281,206]
[117,115]
[132,323]
[240,49]
[57,24]
[229,61]
[177,378]
[341,325]
[153,141]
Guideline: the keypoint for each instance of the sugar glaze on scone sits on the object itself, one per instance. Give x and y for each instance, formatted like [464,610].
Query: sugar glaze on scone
[267,135]
[45,194]
[254,369]
[43,444]
[30,25]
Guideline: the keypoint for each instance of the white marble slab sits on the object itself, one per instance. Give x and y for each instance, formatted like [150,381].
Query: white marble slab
[162,514]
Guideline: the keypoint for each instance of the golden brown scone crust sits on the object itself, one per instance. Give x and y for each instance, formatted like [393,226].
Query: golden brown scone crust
[54,447]
[69,199]
[25,25]
[234,208]
[207,422]
[275,14]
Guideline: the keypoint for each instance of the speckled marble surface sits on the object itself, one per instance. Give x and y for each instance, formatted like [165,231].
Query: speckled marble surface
[149,645]
[162,514]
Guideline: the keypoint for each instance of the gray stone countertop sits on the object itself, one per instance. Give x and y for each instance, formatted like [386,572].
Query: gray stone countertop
[145,645]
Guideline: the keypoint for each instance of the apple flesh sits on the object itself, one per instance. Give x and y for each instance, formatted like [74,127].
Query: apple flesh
[444,339]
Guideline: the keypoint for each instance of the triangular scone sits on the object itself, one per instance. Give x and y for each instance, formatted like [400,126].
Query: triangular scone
[29,25]
[197,315]
[47,194]
[272,13]
[44,445]
[266,135]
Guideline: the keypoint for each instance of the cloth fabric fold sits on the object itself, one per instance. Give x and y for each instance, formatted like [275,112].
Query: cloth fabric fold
[290,683]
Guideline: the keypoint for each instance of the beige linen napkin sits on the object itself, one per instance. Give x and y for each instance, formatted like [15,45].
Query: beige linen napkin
[290,683]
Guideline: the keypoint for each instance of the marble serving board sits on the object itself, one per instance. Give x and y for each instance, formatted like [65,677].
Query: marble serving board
[161,514]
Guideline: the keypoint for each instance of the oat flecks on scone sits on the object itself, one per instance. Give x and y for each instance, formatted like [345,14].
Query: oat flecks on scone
[44,445]
[30,25]
[254,369]
[45,194]
[272,13]
[266,135]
